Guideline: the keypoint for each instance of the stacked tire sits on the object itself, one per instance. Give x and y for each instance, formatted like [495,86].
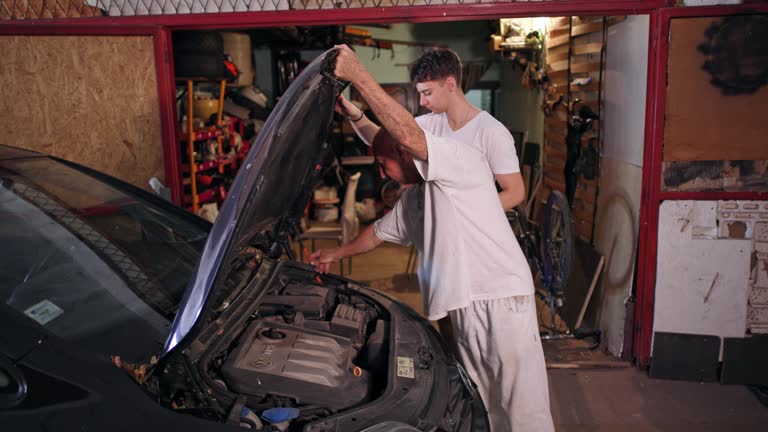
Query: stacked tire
[199,54]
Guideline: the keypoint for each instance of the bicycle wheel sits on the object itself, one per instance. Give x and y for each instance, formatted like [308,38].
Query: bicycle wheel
[521,227]
[558,242]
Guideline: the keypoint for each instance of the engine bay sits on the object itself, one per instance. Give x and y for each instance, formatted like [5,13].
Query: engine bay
[299,354]
[308,349]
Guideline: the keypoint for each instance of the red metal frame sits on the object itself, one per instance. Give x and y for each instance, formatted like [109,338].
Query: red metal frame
[474,11]
[652,195]
[163,67]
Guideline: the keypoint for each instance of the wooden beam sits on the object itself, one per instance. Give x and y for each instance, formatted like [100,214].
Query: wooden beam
[583,29]
[585,67]
[583,229]
[591,290]
[559,21]
[594,86]
[558,31]
[583,210]
[586,196]
[558,75]
[558,66]
[556,57]
[554,179]
[589,48]
[554,184]
[555,153]
[556,125]
[557,41]
[554,137]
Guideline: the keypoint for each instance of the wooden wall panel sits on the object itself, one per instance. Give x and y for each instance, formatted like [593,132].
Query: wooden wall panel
[573,51]
[702,123]
[89,99]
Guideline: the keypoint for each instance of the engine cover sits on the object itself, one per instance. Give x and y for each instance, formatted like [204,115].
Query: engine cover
[282,360]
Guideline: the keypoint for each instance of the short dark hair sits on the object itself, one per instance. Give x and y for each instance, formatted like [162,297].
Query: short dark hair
[384,145]
[435,65]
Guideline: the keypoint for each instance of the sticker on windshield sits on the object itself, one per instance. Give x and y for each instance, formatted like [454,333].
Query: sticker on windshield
[44,312]
[405,367]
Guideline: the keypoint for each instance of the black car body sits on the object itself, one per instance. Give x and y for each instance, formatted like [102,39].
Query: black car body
[123,312]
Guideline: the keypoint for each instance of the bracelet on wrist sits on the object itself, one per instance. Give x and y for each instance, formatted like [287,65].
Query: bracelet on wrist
[362,114]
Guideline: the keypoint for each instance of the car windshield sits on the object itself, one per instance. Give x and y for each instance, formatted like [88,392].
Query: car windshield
[92,263]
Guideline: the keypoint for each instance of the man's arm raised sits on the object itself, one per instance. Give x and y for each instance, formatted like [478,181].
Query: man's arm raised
[396,119]
[363,126]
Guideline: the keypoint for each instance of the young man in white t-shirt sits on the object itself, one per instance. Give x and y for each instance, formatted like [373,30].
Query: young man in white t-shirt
[471,268]
[437,77]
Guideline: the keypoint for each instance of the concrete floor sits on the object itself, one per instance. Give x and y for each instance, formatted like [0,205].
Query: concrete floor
[616,398]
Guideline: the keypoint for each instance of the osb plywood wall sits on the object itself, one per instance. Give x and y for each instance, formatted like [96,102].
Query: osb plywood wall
[703,124]
[91,100]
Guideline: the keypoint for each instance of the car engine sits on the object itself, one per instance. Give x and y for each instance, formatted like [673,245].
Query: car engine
[308,345]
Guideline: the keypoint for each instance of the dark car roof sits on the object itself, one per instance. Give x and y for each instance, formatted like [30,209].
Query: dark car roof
[8,152]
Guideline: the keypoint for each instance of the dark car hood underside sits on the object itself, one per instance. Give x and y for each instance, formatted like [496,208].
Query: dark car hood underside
[274,182]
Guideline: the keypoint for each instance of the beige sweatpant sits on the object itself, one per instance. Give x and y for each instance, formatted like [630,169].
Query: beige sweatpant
[498,343]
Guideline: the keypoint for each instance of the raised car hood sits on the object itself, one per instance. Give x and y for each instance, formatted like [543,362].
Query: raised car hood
[273,182]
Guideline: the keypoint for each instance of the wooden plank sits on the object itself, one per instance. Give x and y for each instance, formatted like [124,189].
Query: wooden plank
[556,126]
[583,29]
[594,86]
[555,123]
[554,153]
[554,184]
[554,137]
[555,169]
[558,31]
[560,79]
[557,145]
[557,41]
[583,210]
[591,290]
[558,66]
[589,48]
[588,364]
[555,179]
[555,132]
[558,89]
[580,20]
[585,67]
[557,51]
[583,229]
[559,21]
[586,196]
[556,57]
[559,75]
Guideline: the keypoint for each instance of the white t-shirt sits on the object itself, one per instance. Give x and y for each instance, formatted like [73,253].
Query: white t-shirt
[467,251]
[482,131]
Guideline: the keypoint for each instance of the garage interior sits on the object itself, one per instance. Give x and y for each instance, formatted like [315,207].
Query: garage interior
[516,69]
[552,81]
